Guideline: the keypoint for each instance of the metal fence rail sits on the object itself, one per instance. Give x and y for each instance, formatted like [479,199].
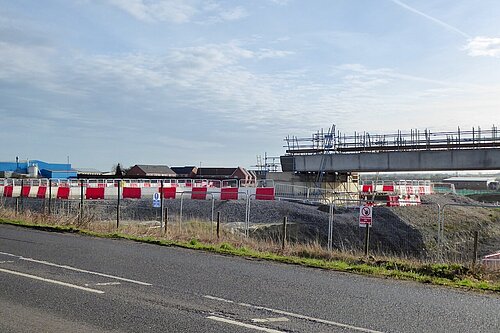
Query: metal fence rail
[430,231]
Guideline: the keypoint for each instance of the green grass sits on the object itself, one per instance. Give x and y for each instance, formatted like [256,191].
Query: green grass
[452,275]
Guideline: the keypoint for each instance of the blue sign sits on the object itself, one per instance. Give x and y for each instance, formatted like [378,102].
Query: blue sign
[156,200]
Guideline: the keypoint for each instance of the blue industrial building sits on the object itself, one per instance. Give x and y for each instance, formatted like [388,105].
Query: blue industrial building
[36,168]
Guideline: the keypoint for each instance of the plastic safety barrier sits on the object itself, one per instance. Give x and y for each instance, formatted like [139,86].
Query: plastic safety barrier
[7,191]
[42,190]
[229,193]
[264,193]
[63,193]
[169,192]
[392,200]
[367,188]
[25,191]
[94,193]
[131,193]
[387,188]
[199,193]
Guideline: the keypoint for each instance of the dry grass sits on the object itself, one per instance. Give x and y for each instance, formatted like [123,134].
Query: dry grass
[232,241]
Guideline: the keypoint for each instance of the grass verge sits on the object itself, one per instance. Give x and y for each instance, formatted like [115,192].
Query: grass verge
[451,275]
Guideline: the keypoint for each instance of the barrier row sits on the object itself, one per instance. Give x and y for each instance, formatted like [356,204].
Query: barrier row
[100,193]
[141,183]
[399,189]
[403,200]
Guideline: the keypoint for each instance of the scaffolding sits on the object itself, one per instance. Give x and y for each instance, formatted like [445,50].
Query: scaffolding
[267,163]
[333,141]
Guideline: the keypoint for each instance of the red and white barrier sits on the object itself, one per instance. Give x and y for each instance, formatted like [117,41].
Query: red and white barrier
[410,200]
[132,189]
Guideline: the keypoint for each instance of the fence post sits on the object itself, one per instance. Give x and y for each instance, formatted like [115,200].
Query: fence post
[166,220]
[218,225]
[330,227]
[50,195]
[247,217]
[161,204]
[180,215]
[22,197]
[81,201]
[367,239]
[212,217]
[118,203]
[283,240]
[474,255]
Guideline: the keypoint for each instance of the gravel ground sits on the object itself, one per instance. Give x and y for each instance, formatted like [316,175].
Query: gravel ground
[408,231]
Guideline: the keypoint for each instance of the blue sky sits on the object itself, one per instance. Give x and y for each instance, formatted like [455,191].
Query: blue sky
[219,82]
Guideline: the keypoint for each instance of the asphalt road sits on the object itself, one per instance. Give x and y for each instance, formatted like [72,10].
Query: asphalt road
[53,282]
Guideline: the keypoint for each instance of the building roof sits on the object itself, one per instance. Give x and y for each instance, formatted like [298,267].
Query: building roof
[185,170]
[155,169]
[88,171]
[216,171]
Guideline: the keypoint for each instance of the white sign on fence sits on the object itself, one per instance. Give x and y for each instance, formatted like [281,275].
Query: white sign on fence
[156,200]
[365,216]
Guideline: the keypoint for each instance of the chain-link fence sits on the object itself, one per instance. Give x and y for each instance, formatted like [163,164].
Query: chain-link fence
[438,229]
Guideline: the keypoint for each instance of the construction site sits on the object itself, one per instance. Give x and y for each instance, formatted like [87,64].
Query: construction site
[320,189]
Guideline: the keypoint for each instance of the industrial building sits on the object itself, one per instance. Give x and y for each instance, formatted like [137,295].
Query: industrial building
[36,169]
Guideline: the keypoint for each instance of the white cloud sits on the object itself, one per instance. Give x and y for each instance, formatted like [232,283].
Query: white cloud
[477,46]
[483,46]
[280,2]
[178,11]
[268,53]
[175,11]
[233,14]
[20,62]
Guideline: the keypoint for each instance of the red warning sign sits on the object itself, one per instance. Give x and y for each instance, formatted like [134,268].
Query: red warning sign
[365,216]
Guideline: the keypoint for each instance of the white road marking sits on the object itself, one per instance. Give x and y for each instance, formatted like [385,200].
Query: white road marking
[76,269]
[239,323]
[269,320]
[5,261]
[295,315]
[108,284]
[104,284]
[52,281]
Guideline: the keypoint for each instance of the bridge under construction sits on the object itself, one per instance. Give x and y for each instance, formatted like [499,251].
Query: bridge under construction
[333,153]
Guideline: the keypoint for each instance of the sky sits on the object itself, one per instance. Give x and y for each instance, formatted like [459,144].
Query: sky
[216,83]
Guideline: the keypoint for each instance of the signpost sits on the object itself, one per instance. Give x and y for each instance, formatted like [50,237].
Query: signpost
[365,221]
[365,216]
[156,200]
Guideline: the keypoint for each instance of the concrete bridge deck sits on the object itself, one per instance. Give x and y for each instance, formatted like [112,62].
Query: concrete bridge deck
[394,161]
